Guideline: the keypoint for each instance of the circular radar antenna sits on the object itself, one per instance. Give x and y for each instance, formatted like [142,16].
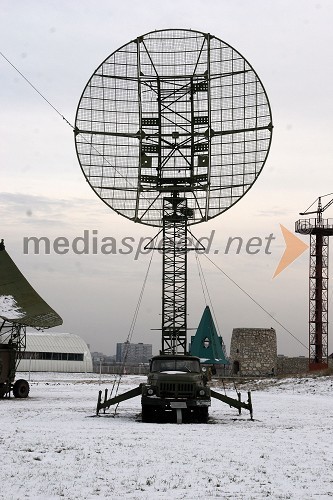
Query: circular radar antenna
[173,113]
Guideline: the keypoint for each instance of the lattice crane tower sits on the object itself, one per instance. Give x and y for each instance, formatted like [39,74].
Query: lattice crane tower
[319,230]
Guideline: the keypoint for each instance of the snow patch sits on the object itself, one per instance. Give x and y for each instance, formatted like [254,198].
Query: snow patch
[52,449]
[173,372]
[9,308]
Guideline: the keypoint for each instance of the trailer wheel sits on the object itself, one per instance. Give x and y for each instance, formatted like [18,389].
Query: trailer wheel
[21,388]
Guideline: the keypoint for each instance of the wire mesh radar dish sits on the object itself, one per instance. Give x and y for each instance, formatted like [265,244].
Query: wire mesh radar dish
[173,112]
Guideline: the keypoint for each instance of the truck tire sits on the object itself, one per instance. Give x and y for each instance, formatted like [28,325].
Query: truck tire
[202,415]
[21,388]
[147,413]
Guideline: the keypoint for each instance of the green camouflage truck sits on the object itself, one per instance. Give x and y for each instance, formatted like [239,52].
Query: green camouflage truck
[175,385]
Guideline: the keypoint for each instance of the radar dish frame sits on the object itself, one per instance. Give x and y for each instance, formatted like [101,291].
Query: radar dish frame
[172,129]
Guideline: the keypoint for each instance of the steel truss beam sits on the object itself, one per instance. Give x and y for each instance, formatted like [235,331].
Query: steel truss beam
[13,334]
[174,280]
[318,301]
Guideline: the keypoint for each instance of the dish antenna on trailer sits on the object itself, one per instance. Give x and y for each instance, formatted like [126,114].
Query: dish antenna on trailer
[172,129]
[20,307]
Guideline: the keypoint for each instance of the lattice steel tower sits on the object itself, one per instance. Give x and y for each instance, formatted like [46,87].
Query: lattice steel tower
[172,129]
[319,230]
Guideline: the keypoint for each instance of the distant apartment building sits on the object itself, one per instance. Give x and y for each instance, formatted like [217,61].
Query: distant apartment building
[134,353]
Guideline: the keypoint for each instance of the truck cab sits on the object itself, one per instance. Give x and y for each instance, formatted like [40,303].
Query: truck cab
[176,386]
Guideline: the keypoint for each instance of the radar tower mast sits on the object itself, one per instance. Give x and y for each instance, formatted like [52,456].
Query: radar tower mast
[319,230]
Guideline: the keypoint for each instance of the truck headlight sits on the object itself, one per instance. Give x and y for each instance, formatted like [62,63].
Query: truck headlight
[202,392]
[150,391]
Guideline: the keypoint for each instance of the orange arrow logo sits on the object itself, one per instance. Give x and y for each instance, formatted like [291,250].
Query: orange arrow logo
[294,248]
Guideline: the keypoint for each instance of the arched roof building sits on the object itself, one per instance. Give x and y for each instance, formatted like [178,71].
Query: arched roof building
[55,352]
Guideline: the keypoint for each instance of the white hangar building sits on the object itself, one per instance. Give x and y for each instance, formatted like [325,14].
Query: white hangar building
[55,352]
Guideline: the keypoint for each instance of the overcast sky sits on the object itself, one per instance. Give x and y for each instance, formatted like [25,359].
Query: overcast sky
[58,45]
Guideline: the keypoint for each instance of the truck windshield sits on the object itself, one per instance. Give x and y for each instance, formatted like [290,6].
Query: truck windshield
[181,365]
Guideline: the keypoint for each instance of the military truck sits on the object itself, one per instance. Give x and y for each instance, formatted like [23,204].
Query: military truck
[176,387]
[175,384]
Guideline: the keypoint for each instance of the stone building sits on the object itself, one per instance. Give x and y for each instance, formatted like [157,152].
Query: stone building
[253,352]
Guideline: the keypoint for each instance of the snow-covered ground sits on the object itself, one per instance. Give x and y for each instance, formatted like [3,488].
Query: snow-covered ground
[53,447]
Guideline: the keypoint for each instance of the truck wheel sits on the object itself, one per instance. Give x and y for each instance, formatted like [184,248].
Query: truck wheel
[21,388]
[202,415]
[147,414]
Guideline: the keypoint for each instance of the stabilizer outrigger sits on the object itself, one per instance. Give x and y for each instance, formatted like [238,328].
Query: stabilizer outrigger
[236,403]
[117,399]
